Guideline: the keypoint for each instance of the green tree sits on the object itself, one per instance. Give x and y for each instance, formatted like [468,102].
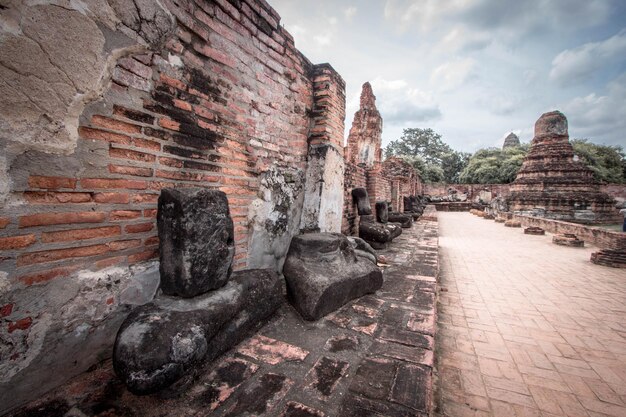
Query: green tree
[608,163]
[494,165]
[426,151]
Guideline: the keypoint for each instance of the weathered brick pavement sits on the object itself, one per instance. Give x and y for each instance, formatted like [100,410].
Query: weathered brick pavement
[526,327]
[373,357]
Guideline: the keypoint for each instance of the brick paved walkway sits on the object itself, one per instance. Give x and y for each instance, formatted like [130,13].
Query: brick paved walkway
[526,327]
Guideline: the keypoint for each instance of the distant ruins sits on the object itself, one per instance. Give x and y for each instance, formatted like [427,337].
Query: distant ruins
[511,141]
[553,184]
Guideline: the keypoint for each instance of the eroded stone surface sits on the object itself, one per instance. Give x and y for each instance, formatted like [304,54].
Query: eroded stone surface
[197,240]
[323,273]
[161,342]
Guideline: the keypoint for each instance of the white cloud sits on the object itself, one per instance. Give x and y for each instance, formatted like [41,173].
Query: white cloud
[461,38]
[600,115]
[452,74]
[399,103]
[573,65]
[323,39]
[350,12]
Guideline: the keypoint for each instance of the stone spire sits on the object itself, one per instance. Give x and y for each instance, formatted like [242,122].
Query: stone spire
[552,184]
[511,141]
[365,138]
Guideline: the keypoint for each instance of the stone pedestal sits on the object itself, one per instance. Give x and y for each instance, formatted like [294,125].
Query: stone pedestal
[568,239]
[533,230]
[323,273]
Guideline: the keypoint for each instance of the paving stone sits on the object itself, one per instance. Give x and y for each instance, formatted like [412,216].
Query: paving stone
[412,386]
[406,337]
[402,352]
[374,378]
[342,343]
[422,323]
[224,380]
[271,351]
[261,396]
[357,406]
[325,374]
[294,409]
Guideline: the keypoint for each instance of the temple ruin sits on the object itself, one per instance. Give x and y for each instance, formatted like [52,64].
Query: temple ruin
[184,231]
[554,184]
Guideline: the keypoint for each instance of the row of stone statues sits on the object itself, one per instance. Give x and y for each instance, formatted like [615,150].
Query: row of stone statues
[203,308]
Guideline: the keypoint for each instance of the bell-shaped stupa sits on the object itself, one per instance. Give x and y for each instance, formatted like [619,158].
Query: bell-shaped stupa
[552,183]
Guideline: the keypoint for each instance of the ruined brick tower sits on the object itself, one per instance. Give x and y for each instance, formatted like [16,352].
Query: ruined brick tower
[553,184]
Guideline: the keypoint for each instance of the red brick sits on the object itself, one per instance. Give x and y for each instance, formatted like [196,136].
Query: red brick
[143,256]
[124,214]
[131,114]
[97,134]
[124,244]
[139,228]
[21,324]
[126,170]
[35,181]
[81,234]
[4,221]
[112,198]
[58,254]
[182,105]
[17,242]
[171,162]
[44,197]
[172,82]
[45,219]
[132,155]
[47,275]
[112,183]
[169,124]
[145,198]
[147,144]
[150,213]
[135,67]
[105,263]
[112,124]
[153,240]
[6,310]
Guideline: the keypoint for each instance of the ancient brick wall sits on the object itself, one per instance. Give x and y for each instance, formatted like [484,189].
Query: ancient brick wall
[617,191]
[135,99]
[597,236]
[472,190]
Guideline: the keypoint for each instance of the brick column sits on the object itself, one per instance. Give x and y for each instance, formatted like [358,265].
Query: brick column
[323,199]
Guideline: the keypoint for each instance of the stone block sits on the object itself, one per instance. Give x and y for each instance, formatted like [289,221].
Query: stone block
[197,240]
[405,220]
[533,230]
[360,197]
[382,212]
[512,223]
[323,273]
[169,339]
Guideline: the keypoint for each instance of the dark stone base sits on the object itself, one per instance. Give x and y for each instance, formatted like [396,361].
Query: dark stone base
[533,230]
[323,273]
[405,220]
[512,223]
[167,340]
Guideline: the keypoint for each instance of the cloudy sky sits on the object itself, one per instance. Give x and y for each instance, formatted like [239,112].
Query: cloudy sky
[474,70]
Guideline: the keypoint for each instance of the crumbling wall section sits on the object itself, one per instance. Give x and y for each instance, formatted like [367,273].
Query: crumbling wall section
[104,103]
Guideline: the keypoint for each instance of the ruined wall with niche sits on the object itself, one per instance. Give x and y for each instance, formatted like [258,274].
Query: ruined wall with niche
[103,104]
